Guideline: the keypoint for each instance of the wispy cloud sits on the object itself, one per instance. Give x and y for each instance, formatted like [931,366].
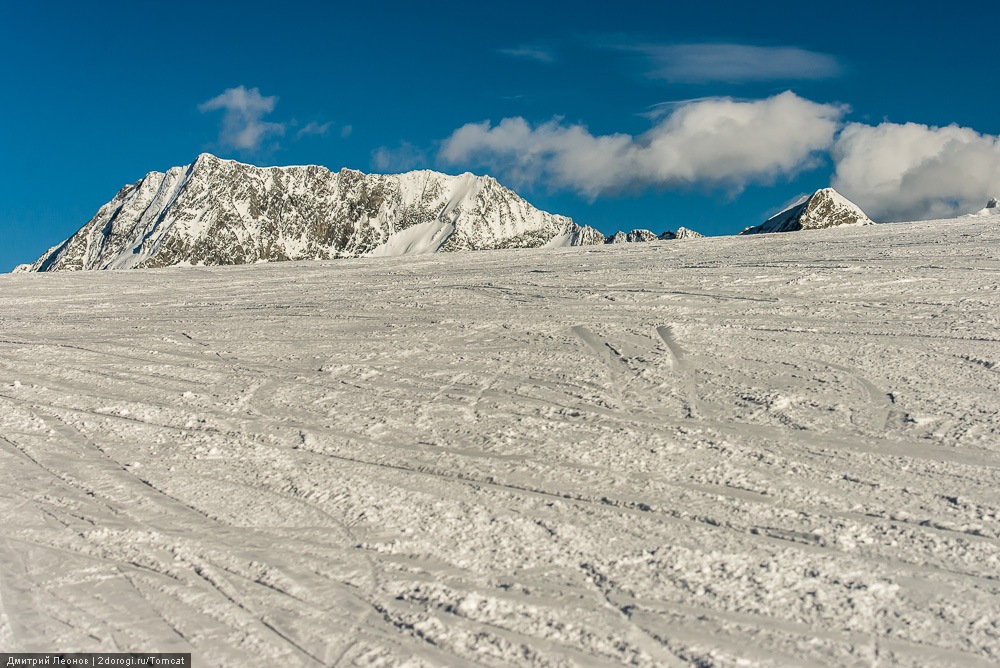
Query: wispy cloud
[731,63]
[313,128]
[661,109]
[346,130]
[399,159]
[713,142]
[541,54]
[243,127]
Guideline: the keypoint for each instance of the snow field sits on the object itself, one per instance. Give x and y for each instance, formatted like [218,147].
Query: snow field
[767,451]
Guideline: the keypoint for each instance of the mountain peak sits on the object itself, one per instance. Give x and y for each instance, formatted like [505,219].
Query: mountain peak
[685,233]
[210,160]
[824,208]
[992,209]
[634,236]
[216,211]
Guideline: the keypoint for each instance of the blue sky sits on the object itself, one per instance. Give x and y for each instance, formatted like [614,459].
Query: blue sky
[620,115]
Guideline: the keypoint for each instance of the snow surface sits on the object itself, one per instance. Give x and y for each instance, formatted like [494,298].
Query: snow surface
[419,239]
[746,451]
[561,241]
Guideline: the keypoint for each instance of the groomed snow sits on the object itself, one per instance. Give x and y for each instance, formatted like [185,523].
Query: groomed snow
[779,450]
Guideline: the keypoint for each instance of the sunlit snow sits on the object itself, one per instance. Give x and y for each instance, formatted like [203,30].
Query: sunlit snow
[745,451]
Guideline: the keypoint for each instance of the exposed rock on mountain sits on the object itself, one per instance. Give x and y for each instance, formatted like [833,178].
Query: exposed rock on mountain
[824,208]
[216,212]
[631,237]
[992,208]
[586,236]
[685,233]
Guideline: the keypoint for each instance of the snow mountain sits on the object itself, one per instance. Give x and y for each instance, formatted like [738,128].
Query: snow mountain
[641,235]
[217,212]
[992,209]
[685,233]
[824,208]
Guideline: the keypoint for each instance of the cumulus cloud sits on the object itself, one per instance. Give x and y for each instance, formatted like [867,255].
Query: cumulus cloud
[716,141]
[913,171]
[733,63]
[243,127]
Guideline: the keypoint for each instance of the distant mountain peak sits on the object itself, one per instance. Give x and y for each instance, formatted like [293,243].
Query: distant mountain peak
[824,208]
[992,209]
[685,233]
[217,211]
[634,236]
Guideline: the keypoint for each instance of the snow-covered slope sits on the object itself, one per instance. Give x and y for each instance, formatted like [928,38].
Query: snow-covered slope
[217,212]
[824,208]
[655,454]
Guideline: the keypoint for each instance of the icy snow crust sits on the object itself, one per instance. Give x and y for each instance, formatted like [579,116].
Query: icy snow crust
[645,454]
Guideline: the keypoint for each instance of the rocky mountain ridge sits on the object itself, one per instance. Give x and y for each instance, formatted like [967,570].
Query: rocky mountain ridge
[217,211]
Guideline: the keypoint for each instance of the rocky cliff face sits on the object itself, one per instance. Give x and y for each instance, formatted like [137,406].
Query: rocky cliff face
[216,212]
[824,208]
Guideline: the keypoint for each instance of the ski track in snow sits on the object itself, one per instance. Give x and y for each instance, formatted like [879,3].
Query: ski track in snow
[772,451]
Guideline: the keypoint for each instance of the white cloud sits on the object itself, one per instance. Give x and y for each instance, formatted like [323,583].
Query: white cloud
[313,128]
[530,52]
[704,63]
[912,171]
[404,157]
[655,112]
[715,141]
[242,125]
[346,131]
